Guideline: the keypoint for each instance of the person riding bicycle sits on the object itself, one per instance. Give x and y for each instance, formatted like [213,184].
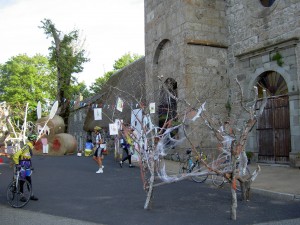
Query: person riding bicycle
[22,158]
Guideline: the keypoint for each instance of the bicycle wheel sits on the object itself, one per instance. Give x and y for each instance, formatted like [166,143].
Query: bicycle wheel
[199,178]
[15,197]
[218,180]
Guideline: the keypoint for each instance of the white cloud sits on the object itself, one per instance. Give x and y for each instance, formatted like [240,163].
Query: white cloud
[111,28]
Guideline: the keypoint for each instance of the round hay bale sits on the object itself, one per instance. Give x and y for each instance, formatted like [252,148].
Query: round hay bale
[63,144]
[38,148]
[56,124]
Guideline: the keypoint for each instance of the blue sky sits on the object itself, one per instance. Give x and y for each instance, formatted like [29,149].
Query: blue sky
[110,28]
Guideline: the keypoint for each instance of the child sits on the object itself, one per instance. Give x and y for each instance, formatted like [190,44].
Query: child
[88,147]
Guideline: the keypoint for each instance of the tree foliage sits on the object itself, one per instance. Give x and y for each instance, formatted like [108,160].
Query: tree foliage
[119,64]
[81,88]
[67,56]
[24,80]
[125,60]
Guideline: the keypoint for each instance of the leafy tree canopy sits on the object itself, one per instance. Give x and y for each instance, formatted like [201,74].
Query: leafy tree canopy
[67,56]
[119,64]
[125,60]
[26,79]
[79,88]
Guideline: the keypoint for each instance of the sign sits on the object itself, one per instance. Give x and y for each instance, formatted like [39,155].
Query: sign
[98,114]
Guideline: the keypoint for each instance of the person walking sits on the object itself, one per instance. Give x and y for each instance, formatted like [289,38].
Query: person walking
[22,158]
[126,143]
[98,155]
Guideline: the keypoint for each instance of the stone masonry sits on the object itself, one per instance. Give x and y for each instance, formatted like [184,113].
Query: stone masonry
[204,46]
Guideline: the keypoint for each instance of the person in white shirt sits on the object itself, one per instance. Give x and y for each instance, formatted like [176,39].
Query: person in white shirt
[98,155]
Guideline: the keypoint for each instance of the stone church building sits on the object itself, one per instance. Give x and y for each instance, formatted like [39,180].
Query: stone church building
[202,47]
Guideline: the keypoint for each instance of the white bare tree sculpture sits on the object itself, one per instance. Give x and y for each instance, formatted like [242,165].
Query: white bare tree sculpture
[158,137]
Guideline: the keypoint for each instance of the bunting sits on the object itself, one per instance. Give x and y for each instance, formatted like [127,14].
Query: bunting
[120,104]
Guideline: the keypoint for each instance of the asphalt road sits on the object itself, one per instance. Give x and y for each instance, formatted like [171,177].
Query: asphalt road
[69,190]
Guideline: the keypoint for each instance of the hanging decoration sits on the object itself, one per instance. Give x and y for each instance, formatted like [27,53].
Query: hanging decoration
[120,104]
[113,129]
[118,123]
[152,107]
[98,114]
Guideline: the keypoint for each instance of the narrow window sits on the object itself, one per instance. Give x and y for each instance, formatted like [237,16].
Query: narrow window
[267,3]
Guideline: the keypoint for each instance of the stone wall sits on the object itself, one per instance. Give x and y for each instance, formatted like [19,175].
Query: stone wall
[187,41]
[204,45]
[256,34]
[128,81]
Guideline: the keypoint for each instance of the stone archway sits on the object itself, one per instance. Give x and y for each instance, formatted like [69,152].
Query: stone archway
[167,108]
[163,69]
[273,127]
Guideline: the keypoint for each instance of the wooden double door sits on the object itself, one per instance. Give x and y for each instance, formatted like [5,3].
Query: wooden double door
[273,131]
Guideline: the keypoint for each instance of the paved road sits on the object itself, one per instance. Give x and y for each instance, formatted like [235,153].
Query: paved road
[71,192]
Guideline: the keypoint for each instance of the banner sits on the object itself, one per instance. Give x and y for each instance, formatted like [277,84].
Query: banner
[152,107]
[98,114]
[120,104]
[118,123]
[113,129]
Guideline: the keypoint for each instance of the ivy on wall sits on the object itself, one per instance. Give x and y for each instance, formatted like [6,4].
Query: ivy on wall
[278,58]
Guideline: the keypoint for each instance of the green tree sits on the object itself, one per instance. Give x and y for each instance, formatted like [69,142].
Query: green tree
[100,81]
[119,64]
[24,79]
[125,60]
[67,56]
[79,88]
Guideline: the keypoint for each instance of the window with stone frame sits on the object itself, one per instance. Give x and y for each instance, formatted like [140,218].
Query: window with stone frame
[267,3]
[273,83]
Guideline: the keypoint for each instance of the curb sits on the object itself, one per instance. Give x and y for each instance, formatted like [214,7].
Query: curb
[276,195]
[11,216]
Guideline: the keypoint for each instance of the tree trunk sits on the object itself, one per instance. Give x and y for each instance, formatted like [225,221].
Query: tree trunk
[245,189]
[148,202]
[150,186]
[244,180]
[233,202]
[233,186]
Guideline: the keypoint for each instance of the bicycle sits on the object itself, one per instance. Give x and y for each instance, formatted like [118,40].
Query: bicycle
[189,166]
[19,190]
[224,160]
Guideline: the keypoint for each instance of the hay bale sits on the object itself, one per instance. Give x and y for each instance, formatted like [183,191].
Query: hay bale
[63,144]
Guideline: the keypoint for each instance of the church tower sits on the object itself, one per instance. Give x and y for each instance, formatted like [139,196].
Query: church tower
[186,46]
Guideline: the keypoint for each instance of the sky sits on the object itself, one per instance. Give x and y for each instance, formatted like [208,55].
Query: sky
[111,28]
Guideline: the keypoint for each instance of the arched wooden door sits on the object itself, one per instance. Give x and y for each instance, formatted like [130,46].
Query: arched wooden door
[273,127]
